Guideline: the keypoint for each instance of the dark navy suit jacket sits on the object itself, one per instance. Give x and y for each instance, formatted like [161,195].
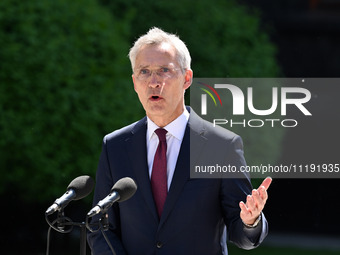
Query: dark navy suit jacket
[196,211]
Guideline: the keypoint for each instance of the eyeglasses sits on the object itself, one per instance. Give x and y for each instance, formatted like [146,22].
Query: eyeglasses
[163,72]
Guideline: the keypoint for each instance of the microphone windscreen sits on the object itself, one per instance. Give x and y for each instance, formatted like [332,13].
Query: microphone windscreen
[125,187]
[82,186]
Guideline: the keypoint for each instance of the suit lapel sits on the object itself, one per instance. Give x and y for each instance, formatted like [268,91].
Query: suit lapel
[193,140]
[136,147]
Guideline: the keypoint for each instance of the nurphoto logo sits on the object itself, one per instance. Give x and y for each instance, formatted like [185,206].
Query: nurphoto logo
[240,93]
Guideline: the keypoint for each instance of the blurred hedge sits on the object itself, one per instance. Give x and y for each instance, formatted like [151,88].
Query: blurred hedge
[224,38]
[64,84]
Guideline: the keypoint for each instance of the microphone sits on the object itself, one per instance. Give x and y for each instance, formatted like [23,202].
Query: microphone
[121,191]
[79,188]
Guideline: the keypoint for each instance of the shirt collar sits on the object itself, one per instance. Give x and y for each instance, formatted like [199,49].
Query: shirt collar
[176,128]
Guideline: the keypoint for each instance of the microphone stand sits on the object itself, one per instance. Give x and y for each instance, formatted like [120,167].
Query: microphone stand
[83,238]
[103,226]
[83,241]
[63,222]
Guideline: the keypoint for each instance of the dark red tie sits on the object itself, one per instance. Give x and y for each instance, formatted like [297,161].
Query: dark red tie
[159,172]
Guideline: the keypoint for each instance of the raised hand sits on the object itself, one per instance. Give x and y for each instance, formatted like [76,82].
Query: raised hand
[255,203]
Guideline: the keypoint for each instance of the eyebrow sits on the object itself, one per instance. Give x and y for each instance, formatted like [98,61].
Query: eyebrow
[159,66]
[140,67]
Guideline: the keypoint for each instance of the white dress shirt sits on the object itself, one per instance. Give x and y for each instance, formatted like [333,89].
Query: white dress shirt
[174,137]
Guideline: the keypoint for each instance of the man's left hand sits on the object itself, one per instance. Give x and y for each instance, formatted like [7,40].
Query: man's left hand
[255,203]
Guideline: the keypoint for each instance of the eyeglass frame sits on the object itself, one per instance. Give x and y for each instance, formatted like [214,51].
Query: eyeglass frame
[157,72]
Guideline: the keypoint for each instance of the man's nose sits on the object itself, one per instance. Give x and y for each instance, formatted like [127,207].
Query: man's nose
[154,80]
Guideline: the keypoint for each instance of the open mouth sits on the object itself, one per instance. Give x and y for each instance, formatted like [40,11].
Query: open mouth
[155,98]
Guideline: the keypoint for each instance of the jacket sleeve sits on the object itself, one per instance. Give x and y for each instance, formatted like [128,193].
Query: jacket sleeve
[234,190]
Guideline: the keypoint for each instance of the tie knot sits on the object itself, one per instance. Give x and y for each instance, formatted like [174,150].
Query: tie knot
[161,132]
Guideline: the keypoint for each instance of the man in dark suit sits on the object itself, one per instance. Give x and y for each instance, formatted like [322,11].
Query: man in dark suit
[171,213]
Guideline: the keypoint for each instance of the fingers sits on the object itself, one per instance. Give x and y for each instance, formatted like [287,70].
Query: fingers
[251,203]
[245,211]
[262,190]
[260,197]
[256,201]
[251,206]
[266,183]
[247,215]
[262,193]
[243,207]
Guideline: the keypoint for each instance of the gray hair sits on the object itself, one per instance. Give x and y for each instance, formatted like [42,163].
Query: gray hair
[156,36]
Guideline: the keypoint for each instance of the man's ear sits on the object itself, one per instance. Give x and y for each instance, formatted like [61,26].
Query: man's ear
[188,78]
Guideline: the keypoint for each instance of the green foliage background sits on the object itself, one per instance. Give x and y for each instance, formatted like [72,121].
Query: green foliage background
[64,84]
[65,79]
